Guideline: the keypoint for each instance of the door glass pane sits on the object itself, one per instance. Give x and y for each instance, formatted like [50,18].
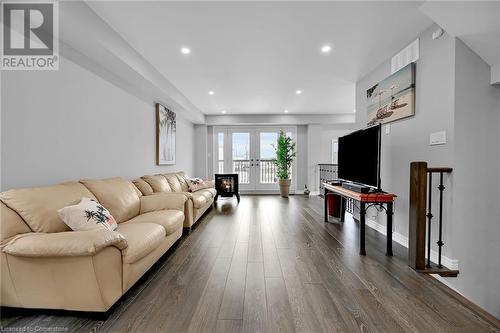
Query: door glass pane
[241,156]
[220,152]
[267,163]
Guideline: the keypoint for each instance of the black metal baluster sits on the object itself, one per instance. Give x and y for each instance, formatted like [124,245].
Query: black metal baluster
[429,220]
[440,241]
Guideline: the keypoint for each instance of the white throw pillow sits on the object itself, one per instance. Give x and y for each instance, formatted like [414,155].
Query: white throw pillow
[196,184]
[87,215]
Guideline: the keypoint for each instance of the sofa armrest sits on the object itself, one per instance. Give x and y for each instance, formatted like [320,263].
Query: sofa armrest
[63,244]
[162,201]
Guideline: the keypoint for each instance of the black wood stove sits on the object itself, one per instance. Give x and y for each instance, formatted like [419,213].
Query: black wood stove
[226,185]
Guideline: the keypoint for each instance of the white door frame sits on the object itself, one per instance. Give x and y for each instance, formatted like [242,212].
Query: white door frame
[252,176]
[254,172]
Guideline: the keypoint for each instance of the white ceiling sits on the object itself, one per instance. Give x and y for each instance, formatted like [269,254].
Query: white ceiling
[255,55]
[476,23]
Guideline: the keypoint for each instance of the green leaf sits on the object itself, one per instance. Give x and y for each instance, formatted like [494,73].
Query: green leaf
[285,154]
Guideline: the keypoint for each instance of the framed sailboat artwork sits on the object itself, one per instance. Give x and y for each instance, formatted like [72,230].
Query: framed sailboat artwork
[393,98]
[166,128]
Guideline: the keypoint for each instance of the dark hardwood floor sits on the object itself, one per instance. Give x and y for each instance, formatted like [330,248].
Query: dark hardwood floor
[270,264]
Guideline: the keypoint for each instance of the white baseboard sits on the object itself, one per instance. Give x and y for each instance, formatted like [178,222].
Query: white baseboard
[314,193]
[403,240]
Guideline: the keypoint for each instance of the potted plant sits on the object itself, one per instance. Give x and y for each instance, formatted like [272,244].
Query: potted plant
[285,154]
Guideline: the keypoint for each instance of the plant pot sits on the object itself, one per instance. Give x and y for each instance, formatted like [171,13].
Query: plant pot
[284,187]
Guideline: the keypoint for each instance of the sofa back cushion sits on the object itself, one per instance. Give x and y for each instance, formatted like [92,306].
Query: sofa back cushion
[173,181]
[38,206]
[158,183]
[12,224]
[117,195]
[183,180]
[139,193]
[142,186]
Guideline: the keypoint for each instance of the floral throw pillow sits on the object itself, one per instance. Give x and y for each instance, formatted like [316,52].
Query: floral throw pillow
[196,184]
[87,215]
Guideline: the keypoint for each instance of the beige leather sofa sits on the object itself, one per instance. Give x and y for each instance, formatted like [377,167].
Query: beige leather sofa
[45,265]
[198,202]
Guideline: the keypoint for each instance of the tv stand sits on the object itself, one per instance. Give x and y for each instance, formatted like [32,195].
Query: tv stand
[365,200]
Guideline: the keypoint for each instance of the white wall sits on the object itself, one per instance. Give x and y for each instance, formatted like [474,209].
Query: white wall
[409,138]
[201,152]
[71,124]
[476,192]
[302,155]
[453,93]
[319,142]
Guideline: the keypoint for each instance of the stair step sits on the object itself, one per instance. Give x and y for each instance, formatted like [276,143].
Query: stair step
[444,272]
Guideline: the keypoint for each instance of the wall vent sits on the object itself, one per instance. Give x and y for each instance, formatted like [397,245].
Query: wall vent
[406,56]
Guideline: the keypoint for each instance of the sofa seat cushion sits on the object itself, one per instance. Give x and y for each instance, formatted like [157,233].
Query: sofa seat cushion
[142,239]
[200,199]
[171,220]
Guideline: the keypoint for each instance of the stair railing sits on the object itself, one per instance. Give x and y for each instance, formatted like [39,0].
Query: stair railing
[421,210]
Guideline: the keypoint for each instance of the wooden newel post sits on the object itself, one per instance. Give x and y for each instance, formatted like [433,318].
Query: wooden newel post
[418,200]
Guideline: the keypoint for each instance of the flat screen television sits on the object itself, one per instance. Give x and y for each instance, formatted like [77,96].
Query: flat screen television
[359,157]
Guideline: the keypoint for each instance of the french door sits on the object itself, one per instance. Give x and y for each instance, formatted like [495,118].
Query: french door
[249,152]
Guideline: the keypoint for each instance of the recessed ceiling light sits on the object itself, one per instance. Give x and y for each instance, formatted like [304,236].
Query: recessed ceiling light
[354,111]
[326,48]
[298,92]
[223,112]
[185,50]
[286,111]
[211,92]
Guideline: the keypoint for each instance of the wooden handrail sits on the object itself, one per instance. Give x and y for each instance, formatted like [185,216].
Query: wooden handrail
[436,170]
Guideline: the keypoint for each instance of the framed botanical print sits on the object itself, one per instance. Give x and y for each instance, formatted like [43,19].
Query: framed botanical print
[166,128]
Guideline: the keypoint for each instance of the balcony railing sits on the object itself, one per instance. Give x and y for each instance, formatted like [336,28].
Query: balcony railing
[242,168]
[266,169]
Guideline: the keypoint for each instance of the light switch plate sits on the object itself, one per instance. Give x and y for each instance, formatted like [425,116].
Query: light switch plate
[388,129]
[437,138]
